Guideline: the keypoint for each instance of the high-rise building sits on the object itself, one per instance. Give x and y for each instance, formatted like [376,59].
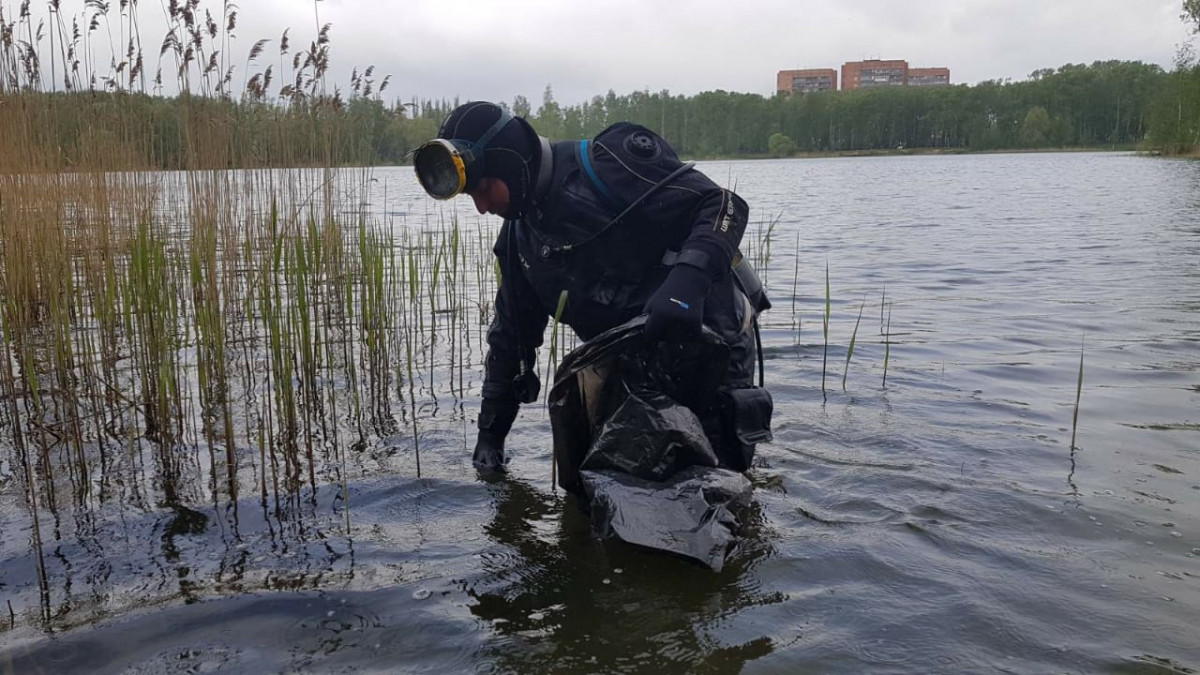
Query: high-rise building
[874,73]
[808,80]
[861,75]
[928,77]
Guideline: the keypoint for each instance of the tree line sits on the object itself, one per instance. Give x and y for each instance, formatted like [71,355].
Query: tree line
[301,121]
[1105,104]
[1175,113]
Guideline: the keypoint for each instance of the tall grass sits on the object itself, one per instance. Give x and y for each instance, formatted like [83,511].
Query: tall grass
[229,331]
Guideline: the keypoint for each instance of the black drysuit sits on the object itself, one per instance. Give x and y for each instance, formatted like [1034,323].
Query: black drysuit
[568,241]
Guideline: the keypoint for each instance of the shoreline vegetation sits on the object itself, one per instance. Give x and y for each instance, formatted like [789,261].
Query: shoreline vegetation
[921,152]
[314,129]
[284,101]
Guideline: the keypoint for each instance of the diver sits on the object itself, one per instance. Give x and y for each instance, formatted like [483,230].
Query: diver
[623,228]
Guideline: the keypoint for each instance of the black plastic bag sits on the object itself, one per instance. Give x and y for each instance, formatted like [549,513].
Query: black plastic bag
[627,439]
[649,435]
[690,515]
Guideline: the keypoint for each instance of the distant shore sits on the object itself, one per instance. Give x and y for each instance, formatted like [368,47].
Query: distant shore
[901,152]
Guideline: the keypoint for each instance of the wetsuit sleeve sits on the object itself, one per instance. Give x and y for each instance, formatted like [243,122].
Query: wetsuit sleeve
[717,226]
[517,326]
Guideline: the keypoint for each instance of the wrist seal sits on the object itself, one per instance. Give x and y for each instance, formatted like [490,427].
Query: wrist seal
[703,255]
[694,257]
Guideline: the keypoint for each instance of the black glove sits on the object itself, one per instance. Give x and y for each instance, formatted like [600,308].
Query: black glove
[677,308]
[495,419]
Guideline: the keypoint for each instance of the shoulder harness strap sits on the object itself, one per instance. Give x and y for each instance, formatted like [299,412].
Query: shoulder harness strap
[546,169]
[583,152]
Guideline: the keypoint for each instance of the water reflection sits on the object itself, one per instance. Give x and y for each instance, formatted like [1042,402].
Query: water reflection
[559,600]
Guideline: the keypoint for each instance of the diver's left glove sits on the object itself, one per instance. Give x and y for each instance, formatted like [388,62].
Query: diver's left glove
[676,310]
[489,452]
[495,419]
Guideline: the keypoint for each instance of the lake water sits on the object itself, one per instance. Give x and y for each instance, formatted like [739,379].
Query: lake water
[938,521]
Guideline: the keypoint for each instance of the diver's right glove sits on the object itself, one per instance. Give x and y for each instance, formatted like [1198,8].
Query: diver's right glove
[676,309]
[495,419]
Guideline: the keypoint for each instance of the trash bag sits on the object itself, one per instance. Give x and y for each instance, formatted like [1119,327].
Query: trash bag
[666,435]
[628,440]
[690,515]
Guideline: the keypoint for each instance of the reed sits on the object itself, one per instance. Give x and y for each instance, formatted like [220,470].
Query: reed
[1078,394]
[552,370]
[408,351]
[825,328]
[853,339]
[186,337]
[887,345]
[762,251]
[795,287]
[552,362]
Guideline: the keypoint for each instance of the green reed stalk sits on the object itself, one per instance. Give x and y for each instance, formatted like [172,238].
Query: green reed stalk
[795,287]
[552,371]
[1078,395]
[301,269]
[58,278]
[882,304]
[887,345]
[11,397]
[853,339]
[438,257]
[278,316]
[211,340]
[764,245]
[398,324]
[344,314]
[412,397]
[338,448]
[452,286]
[438,253]
[552,362]
[414,276]
[825,328]
[153,311]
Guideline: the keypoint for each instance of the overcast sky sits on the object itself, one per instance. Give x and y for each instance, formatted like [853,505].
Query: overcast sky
[494,50]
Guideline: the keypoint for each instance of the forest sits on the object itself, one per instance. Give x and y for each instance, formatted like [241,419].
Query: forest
[1102,105]
[1112,104]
